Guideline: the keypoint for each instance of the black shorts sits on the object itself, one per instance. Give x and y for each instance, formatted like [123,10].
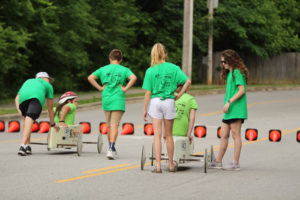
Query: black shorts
[229,121]
[31,108]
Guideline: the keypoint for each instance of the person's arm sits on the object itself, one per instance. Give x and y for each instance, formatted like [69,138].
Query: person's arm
[50,111]
[17,104]
[183,89]
[92,79]
[238,95]
[132,78]
[191,124]
[146,103]
[63,114]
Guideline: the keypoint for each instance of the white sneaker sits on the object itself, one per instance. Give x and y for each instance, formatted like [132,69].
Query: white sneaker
[215,165]
[111,155]
[232,166]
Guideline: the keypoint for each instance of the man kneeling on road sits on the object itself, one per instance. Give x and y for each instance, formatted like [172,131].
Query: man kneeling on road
[29,102]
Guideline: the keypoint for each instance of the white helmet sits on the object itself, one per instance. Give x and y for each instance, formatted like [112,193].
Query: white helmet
[66,96]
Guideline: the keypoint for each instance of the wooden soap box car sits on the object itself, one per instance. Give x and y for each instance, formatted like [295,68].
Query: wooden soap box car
[67,138]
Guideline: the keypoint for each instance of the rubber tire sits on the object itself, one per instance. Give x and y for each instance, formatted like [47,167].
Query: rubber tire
[79,146]
[205,161]
[143,158]
[152,152]
[99,143]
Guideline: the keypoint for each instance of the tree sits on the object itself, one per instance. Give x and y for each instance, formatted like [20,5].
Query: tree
[13,59]
[253,26]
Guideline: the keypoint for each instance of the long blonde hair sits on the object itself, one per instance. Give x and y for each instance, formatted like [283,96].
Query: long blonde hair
[158,54]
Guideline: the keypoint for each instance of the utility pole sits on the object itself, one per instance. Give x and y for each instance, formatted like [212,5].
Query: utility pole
[210,41]
[187,38]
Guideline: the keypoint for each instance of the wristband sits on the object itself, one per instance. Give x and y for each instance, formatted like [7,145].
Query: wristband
[62,121]
[52,125]
[229,101]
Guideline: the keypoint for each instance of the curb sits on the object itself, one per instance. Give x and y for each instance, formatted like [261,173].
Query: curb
[97,105]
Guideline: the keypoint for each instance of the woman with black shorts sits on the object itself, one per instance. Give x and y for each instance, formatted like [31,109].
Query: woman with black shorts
[235,73]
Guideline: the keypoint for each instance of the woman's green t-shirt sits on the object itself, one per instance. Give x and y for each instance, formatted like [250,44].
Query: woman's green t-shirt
[112,76]
[162,80]
[238,108]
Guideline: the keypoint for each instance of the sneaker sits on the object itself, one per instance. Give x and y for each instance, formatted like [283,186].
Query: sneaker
[22,151]
[232,166]
[215,165]
[28,150]
[111,155]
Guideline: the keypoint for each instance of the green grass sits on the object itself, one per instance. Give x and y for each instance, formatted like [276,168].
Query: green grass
[8,111]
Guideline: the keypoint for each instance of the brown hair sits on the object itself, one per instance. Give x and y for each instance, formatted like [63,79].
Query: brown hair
[60,106]
[158,54]
[116,54]
[236,62]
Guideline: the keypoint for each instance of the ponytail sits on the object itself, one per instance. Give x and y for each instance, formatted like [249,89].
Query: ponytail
[158,54]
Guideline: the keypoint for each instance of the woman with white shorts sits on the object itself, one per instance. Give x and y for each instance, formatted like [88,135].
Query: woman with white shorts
[160,82]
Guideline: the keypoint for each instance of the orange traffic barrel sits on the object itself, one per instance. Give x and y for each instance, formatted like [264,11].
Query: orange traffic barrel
[86,127]
[103,128]
[298,136]
[251,134]
[275,135]
[13,126]
[127,129]
[219,132]
[148,129]
[2,126]
[35,127]
[44,127]
[200,131]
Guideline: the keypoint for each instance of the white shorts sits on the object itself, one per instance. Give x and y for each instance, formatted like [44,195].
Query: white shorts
[162,109]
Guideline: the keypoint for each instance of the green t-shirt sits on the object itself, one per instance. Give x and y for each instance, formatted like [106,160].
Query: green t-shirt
[183,108]
[162,80]
[70,117]
[112,75]
[238,108]
[36,88]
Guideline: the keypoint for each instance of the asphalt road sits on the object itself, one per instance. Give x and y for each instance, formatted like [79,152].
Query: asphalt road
[268,170]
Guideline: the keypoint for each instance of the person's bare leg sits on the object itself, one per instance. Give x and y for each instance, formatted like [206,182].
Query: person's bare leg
[28,122]
[236,135]
[108,120]
[113,132]
[108,133]
[225,129]
[168,126]
[157,126]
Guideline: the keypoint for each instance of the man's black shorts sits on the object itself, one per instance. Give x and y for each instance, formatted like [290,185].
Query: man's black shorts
[31,108]
[229,121]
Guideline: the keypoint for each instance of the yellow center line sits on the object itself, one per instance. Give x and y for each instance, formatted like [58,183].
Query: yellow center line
[216,148]
[96,174]
[250,106]
[14,141]
[105,168]
[273,101]
[209,114]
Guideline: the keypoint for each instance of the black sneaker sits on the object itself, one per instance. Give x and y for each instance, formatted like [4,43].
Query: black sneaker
[28,150]
[22,151]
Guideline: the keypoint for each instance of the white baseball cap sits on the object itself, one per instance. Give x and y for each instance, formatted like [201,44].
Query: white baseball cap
[44,75]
